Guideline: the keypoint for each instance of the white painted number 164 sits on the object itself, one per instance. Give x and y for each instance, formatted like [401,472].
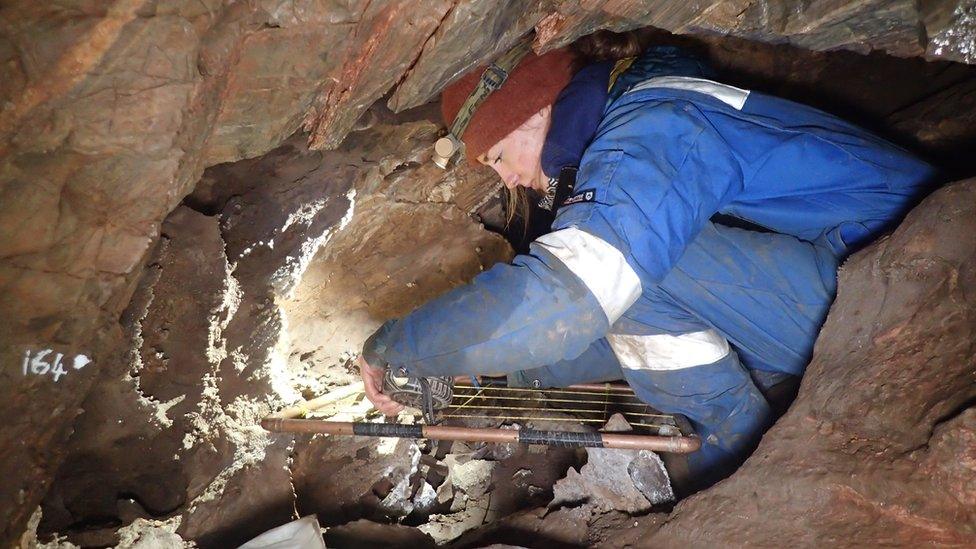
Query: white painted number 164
[35,363]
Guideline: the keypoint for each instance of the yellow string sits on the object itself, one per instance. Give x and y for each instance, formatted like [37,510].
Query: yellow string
[565,410]
[625,393]
[569,400]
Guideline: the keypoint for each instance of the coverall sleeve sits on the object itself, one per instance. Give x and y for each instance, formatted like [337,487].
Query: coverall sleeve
[654,175]
[529,314]
[596,365]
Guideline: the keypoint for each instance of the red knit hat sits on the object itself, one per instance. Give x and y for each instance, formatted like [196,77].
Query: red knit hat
[534,83]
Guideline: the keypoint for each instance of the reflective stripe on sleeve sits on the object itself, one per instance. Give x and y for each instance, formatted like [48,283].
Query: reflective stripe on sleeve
[668,352]
[730,95]
[600,266]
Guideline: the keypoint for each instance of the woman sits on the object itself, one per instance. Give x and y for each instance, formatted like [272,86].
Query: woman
[635,281]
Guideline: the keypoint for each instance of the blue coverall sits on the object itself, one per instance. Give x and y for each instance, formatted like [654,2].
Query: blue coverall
[636,282]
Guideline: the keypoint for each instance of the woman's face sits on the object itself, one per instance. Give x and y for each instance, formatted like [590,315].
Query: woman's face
[517,158]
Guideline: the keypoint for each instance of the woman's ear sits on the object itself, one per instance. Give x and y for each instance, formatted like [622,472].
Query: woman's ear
[539,119]
[544,114]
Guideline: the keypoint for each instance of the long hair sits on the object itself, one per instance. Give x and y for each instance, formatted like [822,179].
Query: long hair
[604,45]
[517,204]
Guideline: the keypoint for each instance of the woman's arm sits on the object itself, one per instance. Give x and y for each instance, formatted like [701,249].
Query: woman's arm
[534,312]
[597,364]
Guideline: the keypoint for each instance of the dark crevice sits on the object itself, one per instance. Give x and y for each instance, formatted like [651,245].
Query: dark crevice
[954,413]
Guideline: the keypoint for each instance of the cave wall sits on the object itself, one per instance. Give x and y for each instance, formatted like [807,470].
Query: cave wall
[111,111]
[228,324]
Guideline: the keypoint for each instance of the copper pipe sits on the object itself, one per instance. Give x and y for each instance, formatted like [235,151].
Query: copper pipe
[311,426]
[673,445]
[469,434]
[602,387]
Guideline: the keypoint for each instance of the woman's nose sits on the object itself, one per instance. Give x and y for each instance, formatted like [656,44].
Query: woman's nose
[509,178]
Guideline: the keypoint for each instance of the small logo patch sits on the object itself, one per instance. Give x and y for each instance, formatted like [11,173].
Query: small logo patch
[582,196]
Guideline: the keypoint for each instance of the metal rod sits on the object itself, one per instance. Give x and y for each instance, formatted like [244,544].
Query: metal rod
[572,389]
[559,420]
[523,418]
[564,410]
[469,434]
[473,396]
[574,401]
[528,418]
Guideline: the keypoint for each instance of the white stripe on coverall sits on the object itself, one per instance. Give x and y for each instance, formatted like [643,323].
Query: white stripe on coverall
[730,95]
[668,352]
[600,266]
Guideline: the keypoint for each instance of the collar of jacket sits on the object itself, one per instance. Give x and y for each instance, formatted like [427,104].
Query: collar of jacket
[579,108]
[575,116]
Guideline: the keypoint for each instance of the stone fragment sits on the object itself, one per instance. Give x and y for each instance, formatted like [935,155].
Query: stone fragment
[617,424]
[445,492]
[473,477]
[616,480]
[951,30]
[650,477]
[425,498]
[520,477]
[444,528]
[605,483]
[304,533]
[152,534]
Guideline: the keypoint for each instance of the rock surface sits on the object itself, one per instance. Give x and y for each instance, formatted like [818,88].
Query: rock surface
[172,426]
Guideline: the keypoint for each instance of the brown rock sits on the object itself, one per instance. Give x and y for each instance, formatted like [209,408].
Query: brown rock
[471,32]
[366,534]
[535,528]
[384,44]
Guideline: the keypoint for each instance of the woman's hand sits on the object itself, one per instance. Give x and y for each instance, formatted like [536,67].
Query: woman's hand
[373,384]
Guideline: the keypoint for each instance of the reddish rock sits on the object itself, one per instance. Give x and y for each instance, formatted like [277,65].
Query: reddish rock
[471,32]
[386,41]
